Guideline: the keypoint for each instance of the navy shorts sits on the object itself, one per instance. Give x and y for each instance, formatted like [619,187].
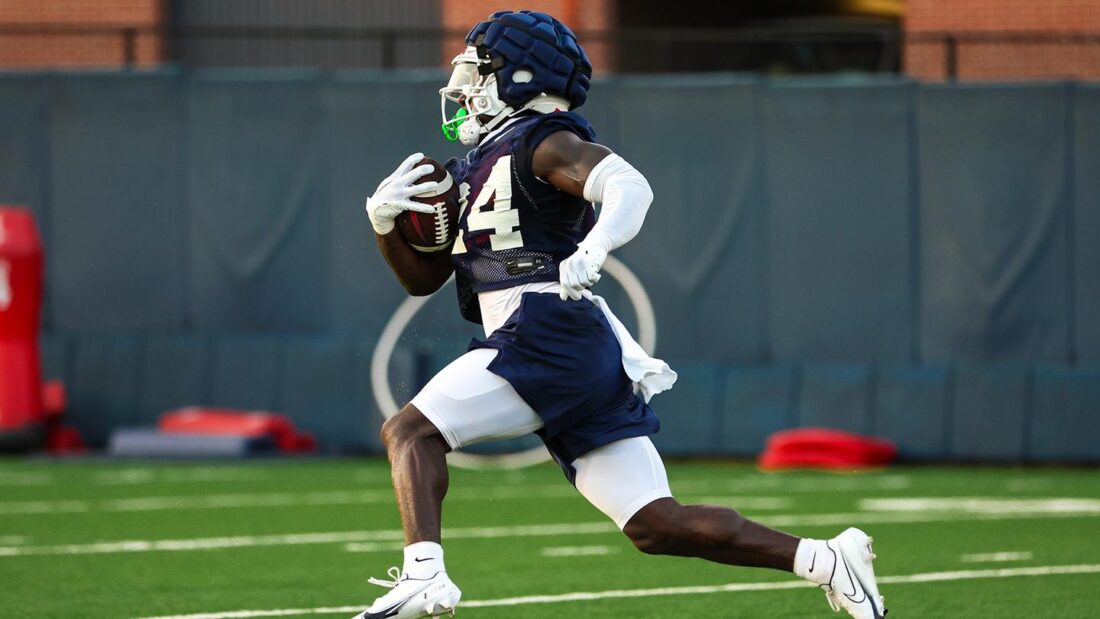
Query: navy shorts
[564,361]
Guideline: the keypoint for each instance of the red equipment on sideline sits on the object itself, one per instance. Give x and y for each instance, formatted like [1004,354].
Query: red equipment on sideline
[822,448]
[230,422]
[21,413]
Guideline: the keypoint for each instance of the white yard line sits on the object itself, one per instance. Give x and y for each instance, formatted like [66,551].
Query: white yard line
[789,483]
[269,499]
[587,528]
[859,518]
[298,539]
[374,546]
[178,475]
[25,478]
[997,557]
[696,491]
[1053,570]
[578,551]
[983,505]
[44,507]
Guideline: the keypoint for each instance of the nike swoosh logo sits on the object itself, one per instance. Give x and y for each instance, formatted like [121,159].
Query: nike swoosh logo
[813,562]
[419,560]
[855,590]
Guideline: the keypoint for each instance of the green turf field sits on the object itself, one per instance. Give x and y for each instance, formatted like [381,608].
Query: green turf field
[106,539]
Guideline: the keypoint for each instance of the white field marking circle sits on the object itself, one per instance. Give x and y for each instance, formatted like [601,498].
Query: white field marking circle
[387,342]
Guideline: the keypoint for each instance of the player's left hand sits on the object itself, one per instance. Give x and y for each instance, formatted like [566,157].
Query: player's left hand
[581,270]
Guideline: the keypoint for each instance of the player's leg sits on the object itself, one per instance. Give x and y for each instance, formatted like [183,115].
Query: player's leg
[626,480]
[418,466]
[464,404]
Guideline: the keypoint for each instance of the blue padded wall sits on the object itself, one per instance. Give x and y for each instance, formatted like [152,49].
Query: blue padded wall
[993,173]
[104,385]
[258,202]
[117,218]
[757,401]
[989,413]
[836,396]
[318,389]
[1086,223]
[910,408]
[707,218]
[24,136]
[1070,424]
[55,356]
[839,210]
[248,372]
[177,372]
[688,413]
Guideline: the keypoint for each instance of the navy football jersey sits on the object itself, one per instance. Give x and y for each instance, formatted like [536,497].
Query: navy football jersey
[513,228]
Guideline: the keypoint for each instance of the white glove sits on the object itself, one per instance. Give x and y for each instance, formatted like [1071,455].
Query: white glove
[393,193]
[582,269]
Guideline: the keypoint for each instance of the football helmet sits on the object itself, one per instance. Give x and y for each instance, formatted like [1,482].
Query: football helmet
[513,61]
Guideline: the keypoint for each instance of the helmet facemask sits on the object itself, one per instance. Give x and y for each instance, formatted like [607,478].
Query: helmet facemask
[473,87]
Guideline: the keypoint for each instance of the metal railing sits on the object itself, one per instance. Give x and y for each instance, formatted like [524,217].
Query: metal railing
[627,50]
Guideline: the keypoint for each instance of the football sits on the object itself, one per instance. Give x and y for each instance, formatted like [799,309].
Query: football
[432,232]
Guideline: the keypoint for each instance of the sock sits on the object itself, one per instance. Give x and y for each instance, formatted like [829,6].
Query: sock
[423,560]
[814,561]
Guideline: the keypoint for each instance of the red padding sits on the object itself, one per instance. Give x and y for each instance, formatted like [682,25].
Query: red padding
[54,398]
[227,421]
[62,440]
[825,448]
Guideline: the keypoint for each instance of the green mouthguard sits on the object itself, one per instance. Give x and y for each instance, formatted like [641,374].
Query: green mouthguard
[450,128]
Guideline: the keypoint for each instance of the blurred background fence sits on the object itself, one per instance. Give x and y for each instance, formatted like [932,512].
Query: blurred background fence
[913,260]
[945,55]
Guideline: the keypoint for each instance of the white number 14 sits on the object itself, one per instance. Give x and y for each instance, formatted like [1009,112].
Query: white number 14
[503,220]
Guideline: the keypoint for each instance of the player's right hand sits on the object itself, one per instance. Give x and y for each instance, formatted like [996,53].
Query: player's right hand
[581,270]
[393,193]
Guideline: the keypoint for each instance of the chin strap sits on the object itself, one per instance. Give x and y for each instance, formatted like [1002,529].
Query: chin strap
[471,131]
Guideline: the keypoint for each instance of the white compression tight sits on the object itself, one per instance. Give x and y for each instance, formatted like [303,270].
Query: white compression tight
[622,478]
[469,404]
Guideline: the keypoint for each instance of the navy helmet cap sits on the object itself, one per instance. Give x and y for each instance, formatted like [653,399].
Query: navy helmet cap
[539,44]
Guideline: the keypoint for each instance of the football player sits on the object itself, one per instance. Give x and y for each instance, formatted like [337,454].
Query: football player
[555,360]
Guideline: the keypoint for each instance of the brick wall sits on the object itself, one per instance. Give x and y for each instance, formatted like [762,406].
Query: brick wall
[76,49]
[995,60]
[580,15]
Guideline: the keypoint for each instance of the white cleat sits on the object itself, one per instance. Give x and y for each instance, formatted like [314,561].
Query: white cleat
[852,586]
[411,598]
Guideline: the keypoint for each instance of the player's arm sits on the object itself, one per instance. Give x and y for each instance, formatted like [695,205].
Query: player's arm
[420,274]
[595,173]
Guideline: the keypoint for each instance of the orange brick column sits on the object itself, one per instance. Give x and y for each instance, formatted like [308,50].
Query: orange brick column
[592,16]
[1003,60]
[82,33]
